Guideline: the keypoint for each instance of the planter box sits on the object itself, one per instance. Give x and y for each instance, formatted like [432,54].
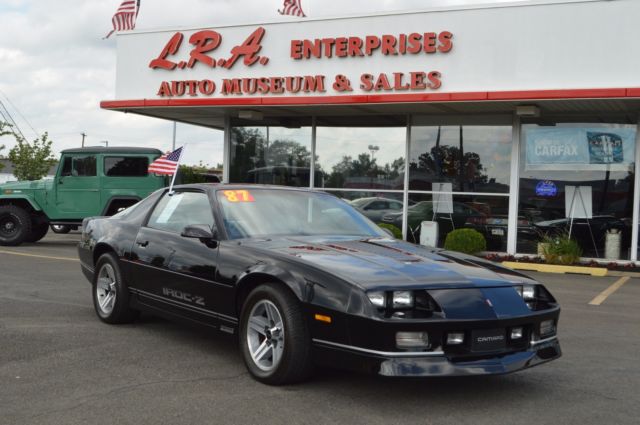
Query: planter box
[551,268]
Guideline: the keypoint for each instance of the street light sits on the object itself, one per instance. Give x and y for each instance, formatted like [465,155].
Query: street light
[106,143]
[373,150]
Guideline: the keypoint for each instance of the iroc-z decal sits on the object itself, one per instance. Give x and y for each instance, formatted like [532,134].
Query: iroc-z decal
[184,296]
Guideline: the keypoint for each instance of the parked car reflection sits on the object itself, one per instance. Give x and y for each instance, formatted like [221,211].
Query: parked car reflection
[374,208]
[423,211]
[494,229]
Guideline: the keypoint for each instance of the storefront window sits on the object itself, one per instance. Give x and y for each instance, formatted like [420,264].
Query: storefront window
[578,178]
[486,214]
[466,158]
[271,155]
[361,158]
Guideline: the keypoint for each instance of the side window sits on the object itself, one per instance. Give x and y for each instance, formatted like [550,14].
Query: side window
[119,166]
[395,205]
[377,205]
[79,166]
[174,212]
[67,165]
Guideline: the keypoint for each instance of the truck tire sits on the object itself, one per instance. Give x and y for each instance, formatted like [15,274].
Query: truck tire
[61,229]
[38,231]
[15,225]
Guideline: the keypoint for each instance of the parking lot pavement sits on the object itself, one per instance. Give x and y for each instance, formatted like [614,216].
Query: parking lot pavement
[60,365]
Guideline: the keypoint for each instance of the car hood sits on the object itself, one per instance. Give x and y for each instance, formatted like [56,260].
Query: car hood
[17,187]
[382,264]
[25,185]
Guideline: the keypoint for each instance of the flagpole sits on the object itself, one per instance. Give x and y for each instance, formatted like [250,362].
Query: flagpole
[173,179]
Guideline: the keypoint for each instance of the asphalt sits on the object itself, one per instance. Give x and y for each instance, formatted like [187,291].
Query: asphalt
[60,365]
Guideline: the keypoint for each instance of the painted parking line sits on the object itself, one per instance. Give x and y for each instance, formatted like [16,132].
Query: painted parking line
[48,257]
[602,296]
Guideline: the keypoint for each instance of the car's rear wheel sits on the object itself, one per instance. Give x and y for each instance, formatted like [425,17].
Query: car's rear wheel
[274,337]
[60,228]
[15,225]
[110,294]
[38,231]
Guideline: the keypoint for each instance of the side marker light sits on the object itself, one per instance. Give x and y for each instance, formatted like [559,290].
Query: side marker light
[323,318]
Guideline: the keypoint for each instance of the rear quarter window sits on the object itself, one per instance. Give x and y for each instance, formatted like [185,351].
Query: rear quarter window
[126,166]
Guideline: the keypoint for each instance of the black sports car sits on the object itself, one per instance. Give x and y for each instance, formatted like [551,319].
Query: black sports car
[302,278]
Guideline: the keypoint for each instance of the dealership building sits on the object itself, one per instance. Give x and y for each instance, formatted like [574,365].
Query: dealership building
[516,119]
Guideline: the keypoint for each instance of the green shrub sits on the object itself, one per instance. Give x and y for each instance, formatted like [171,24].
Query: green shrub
[561,249]
[468,241]
[397,233]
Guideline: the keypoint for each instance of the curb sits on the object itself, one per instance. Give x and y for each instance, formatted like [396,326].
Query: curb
[551,268]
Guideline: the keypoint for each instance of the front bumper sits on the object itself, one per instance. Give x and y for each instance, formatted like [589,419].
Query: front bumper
[434,364]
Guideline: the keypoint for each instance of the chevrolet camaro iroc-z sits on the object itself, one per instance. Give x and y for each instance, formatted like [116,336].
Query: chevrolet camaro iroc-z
[302,278]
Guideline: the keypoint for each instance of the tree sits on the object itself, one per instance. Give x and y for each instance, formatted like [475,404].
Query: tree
[31,161]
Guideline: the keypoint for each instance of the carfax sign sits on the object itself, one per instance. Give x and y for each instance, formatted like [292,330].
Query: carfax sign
[580,148]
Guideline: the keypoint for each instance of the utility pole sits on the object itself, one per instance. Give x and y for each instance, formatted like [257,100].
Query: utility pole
[83,134]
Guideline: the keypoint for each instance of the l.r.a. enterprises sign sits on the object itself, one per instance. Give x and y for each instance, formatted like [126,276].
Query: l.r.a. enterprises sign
[204,49]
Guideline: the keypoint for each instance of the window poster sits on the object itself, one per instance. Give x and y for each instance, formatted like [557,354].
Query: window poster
[442,198]
[580,148]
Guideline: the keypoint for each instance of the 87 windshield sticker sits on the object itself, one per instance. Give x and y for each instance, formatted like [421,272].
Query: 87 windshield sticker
[238,196]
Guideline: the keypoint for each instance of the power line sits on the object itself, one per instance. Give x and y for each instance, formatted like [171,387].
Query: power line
[20,113]
[6,116]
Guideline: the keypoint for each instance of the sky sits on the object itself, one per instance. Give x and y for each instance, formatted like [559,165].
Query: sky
[55,68]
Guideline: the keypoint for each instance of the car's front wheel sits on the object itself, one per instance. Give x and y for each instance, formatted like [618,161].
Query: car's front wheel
[110,293]
[274,337]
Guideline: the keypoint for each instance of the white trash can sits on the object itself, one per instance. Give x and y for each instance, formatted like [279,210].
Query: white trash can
[429,233]
[612,244]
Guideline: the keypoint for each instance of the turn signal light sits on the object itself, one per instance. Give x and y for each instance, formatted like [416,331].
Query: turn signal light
[516,333]
[413,340]
[547,327]
[455,338]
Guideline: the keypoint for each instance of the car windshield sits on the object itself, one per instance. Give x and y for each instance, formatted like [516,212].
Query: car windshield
[266,212]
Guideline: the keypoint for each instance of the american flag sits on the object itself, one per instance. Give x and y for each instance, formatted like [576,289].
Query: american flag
[125,17]
[167,163]
[293,8]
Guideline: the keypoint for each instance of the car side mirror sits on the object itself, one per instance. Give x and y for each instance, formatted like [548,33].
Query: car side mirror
[202,232]
[197,231]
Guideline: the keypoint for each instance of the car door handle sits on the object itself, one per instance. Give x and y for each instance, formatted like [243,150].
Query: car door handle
[143,244]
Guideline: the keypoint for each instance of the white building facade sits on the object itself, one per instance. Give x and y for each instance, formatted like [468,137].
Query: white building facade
[517,120]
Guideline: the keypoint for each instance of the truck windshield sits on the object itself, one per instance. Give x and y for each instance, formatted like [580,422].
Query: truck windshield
[269,212]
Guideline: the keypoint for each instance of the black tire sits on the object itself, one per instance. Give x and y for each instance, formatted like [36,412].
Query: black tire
[15,225]
[295,361]
[120,311]
[38,231]
[61,229]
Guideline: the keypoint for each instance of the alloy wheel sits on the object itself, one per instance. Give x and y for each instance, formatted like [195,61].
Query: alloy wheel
[265,335]
[106,289]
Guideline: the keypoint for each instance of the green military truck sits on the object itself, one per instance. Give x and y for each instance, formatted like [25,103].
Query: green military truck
[89,182]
